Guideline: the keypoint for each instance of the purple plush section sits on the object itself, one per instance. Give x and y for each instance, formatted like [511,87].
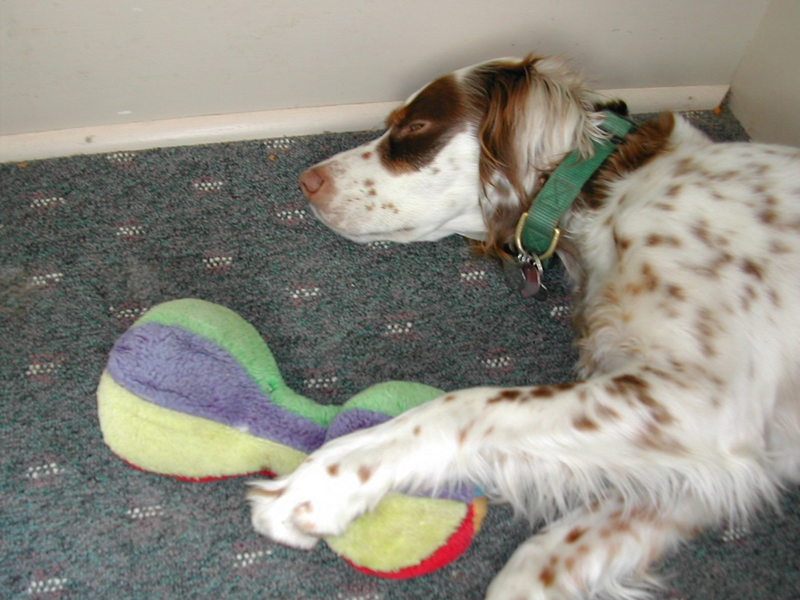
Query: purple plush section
[176,369]
[353,420]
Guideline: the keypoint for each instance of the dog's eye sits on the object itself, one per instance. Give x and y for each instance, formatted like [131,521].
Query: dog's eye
[416,126]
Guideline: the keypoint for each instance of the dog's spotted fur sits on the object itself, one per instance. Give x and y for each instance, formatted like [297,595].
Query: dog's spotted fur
[685,253]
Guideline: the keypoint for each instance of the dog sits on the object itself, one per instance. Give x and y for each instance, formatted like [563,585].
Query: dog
[684,255]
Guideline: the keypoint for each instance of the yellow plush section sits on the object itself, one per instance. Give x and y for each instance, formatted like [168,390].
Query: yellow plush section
[402,532]
[165,441]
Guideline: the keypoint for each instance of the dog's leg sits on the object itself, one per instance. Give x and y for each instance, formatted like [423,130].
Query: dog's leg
[640,432]
[602,551]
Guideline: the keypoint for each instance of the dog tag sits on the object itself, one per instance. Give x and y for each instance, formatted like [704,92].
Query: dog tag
[525,276]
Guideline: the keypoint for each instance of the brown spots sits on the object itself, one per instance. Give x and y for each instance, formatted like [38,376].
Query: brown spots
[774,298]
[726,175]
[717,196]
[372,192]
[654,438]
[606,412]
[673,190]
[655,239]
[366,155]
[574,535]
[333,470]
[705,332]
[547,576]
[621,242]
[634,387]
[564,387]
[417,430]
[505,396]
[390,207]
[673,377]
[621,526]
[751,268]
[676,292]
[686,166]
[779,247]
[748,296]
[369,183]
[462,433]
[723,259]
[364,473]
[489,431]
[629,383]
[700,229]
[650,282]
[664,206]
[448,398]
[545,391]
[713,268]
[584,423]
[768,216]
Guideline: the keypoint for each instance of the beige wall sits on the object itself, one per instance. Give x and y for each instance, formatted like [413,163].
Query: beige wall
[766,88]
[79,63]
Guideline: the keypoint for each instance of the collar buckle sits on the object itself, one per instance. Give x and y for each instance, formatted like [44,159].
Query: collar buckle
[544,256]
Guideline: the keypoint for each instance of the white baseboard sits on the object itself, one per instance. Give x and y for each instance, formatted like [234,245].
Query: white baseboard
[284,123]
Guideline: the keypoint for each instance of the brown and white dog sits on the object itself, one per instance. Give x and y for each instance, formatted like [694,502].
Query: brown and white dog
[686,409]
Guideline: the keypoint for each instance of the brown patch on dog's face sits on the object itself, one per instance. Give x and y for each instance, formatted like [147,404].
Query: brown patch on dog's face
[419,130]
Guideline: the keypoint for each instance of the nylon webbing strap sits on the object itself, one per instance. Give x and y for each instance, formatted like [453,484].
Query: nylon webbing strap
[564,185]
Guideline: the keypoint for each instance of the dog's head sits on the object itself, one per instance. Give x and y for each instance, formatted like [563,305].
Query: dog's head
[462,155]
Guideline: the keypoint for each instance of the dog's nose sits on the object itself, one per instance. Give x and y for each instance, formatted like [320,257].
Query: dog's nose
[311,181]
[317,186]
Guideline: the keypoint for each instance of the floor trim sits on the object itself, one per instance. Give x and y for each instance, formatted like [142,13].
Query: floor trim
[284,123]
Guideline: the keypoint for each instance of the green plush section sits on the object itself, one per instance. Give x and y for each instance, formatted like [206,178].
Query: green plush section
[393,397]
[169,442]
[401,532]
[241,340]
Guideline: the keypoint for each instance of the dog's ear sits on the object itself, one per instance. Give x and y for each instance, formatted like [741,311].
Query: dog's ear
[500,93]
[618,107]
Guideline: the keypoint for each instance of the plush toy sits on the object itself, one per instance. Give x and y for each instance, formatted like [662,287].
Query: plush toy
[192,391]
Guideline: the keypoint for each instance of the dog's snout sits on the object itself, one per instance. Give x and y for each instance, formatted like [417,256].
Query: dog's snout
[316,185]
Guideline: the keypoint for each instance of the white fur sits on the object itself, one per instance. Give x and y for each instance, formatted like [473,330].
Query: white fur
[687,412]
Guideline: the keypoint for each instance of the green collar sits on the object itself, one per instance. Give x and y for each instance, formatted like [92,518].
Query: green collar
[537,232]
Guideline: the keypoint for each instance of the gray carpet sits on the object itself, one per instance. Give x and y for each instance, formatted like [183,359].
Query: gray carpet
[89,243]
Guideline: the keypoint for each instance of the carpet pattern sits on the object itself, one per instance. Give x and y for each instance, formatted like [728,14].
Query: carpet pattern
[87,244]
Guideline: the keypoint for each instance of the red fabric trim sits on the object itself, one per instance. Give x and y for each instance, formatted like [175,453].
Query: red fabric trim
[442,556]
[264,473]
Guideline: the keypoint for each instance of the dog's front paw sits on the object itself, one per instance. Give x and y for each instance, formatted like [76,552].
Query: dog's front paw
[321,498]
[275,519]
